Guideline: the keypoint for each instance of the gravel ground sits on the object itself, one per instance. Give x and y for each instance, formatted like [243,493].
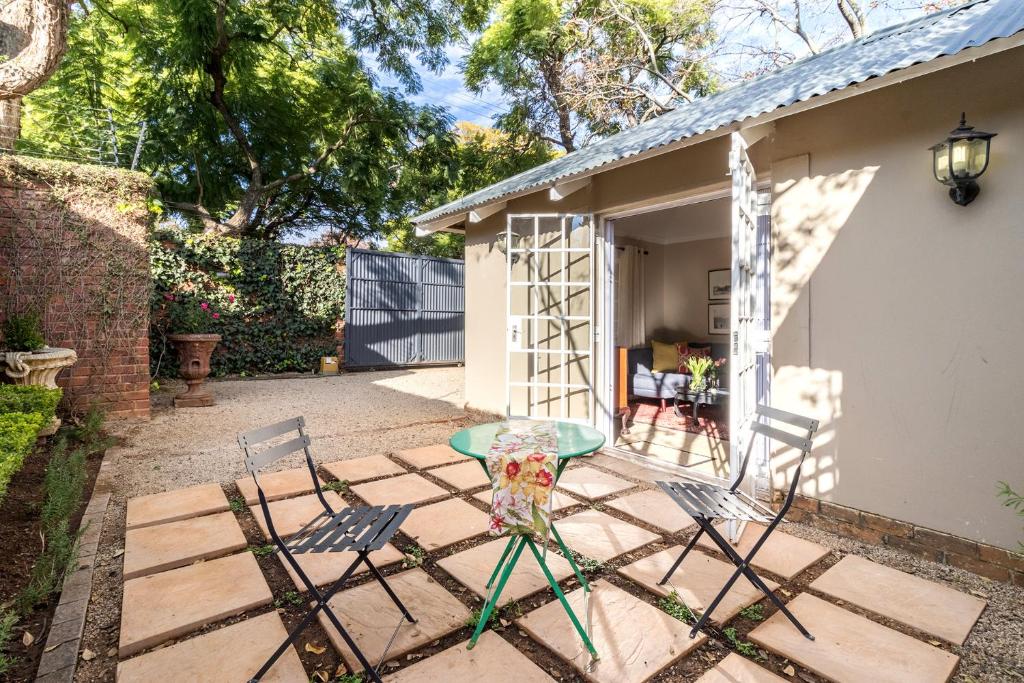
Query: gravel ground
[347,416]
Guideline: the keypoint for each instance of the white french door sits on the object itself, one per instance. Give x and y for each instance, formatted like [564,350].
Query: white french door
[549,360]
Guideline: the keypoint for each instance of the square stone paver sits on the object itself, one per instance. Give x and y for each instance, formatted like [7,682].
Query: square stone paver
[697,581]
[431,456]
[291,514]
[326,568]
[171,506]
[737,669]
[560,500]
[277,485]
[782,554]
[655,508]
[361,469]
[370,617]
[633,639]
[925,605]
[405,489]
[440,524]
[473,567]
[590,483]
[162,606]
[492,660]
[161,547]
[600,536]
[465,476]
[849,648]
[232,653]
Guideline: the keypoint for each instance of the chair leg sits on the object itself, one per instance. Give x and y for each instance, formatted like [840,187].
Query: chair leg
[682,556]
[387,589]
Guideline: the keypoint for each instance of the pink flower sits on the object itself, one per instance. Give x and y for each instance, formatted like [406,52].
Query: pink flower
[216,316]
[544,478]
[231,298]
[536,457]
[169,297]
[204,305]
[512,469]
[497,523]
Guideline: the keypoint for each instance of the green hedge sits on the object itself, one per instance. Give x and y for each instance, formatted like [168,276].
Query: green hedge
[277,304]
[18,433]
[29,399]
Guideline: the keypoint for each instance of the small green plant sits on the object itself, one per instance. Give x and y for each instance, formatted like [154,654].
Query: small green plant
[290,598]
[8,619]
[23,332]
[414,556]
[262,550]
[90,432]
[336,486]
[349,678]
[587,565]
[236,504]
[493,620]
[1014,501]
[744,647]
[29,398]
[753,612]
[673,606]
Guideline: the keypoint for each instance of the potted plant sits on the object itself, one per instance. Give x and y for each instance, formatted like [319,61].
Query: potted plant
[193,324]
[26,359]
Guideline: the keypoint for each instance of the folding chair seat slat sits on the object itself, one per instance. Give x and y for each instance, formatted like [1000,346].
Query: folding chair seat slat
[342,519]
[370,533]
[385,535]
[347,537]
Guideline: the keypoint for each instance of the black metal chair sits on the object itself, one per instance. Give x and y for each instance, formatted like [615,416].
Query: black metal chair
[361,530]
[708,502]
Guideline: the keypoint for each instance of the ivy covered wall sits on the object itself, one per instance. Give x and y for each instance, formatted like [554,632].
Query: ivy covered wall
[278,307]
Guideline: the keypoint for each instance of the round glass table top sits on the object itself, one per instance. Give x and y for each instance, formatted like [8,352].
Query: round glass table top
[573,439]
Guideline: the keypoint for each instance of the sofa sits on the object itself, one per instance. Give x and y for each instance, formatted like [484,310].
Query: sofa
[642,382]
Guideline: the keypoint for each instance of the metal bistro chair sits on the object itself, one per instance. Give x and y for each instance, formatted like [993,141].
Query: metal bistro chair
[361,530]
[708,502]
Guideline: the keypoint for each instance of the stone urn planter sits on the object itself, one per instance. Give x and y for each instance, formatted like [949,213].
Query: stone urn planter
[194,351]
[39,368]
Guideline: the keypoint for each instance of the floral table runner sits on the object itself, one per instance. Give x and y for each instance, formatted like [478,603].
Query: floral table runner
[522,462]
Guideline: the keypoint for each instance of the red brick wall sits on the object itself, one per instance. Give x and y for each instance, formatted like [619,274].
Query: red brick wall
[73,247]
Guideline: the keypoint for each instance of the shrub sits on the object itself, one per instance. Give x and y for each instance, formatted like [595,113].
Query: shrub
[23,332]
[18,433]
[16,398]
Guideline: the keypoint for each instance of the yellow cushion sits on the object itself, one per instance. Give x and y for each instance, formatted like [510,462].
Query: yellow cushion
[666,358]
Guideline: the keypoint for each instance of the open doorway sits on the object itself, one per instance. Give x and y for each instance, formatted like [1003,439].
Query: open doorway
[672,295]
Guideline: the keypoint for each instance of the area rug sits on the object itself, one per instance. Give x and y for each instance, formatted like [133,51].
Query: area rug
[711,420]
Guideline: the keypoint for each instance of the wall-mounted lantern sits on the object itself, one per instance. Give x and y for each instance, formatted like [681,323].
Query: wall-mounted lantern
[960,159]
[502,244]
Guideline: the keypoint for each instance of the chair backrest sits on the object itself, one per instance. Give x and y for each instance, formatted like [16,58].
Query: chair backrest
[802,439]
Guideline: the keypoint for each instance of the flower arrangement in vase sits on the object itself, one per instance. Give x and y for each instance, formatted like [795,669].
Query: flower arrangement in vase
[703,371]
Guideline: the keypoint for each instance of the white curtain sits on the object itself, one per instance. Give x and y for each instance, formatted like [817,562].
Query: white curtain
[629,297]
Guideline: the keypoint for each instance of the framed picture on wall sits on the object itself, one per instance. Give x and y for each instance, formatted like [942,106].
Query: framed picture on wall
[718,318]
[719,284]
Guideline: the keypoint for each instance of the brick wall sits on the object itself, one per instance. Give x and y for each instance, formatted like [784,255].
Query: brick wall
[986,560]
[73,247]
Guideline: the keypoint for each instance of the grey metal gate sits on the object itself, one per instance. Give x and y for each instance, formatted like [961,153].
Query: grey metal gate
[403,309]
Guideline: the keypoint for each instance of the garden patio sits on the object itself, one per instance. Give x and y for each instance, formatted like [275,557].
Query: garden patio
[190,591]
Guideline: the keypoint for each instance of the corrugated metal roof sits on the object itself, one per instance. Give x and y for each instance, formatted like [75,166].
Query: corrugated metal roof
[882,52]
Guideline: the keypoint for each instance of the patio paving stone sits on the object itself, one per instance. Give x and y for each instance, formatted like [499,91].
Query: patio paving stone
[291,514]
[782,554]
[560,502]
[170,506]
[326,568]
[590,483]
[361,469]
[600,536]
[492,660]
[370,617]
[655,508]
[925,605]
[440,524]
[277,485]
[465,476]
[473,567]
[633,639]
[407,488]
[161,547]
[217,656]
[431,456]
[697,581]
[162,606]
[737,669]
[850,648]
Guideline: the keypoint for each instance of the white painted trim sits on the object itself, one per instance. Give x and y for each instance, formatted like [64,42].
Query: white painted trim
[445,224]
[478,214]
[560,191]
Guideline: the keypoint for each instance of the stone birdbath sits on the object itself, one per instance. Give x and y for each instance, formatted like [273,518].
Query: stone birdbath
[194,351]
[39,368]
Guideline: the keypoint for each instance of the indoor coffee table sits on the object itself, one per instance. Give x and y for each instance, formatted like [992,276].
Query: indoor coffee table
[574,440]
[708,397]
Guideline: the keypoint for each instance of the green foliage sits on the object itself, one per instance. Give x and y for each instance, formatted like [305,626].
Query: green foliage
[673,606]
[290,599]
[8,620]
[236,504]
[188,314]
[753,612]
[349,678]
[278,304]
[1012,500]
[23,332]
[493,619]
[29,398]
[336,486]
[414,556]
[18,432]
[262,550]
[587,565]
[744,647]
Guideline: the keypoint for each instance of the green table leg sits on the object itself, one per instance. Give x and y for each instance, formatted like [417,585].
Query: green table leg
[561,598]
[497,568]
[572,561]
[490,604]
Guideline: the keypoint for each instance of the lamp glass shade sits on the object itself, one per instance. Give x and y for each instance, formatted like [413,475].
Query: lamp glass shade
[941,162]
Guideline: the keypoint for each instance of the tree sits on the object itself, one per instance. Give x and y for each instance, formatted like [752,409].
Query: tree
[573,69]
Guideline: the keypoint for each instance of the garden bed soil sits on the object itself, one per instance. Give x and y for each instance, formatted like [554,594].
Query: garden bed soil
[19,529]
